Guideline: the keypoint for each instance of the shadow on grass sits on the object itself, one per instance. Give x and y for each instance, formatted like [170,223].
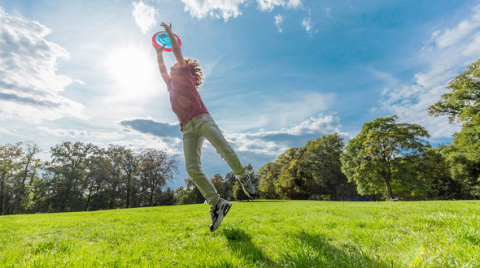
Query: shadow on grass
[241,244]
[316,251]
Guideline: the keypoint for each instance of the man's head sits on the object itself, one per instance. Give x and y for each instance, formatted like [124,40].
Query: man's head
[195,69]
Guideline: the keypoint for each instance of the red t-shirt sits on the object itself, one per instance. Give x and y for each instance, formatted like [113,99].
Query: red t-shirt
[184,97]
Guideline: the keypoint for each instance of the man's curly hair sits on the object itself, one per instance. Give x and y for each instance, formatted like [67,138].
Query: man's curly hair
[196,71]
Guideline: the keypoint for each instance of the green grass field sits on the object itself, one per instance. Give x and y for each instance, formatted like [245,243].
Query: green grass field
[254,234]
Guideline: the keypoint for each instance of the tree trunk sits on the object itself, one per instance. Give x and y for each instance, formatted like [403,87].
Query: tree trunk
[389,190]
[129,181]
[88,198]
[2,186]
[151,194]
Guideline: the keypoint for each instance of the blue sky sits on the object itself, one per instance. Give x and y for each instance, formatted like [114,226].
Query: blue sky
[277,72]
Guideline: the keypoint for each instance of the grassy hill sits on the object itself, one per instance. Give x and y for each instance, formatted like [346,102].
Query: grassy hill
[254,234]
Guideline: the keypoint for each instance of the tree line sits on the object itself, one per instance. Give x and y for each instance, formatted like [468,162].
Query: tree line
[385,161]
[81,177]
[388,160]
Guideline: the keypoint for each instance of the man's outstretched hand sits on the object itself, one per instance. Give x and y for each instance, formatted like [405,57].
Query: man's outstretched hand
[168,28]
[159,50]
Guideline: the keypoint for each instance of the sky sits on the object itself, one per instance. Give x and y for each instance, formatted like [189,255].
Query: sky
[277,72]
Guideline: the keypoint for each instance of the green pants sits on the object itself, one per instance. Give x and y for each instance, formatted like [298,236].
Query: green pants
[194,132]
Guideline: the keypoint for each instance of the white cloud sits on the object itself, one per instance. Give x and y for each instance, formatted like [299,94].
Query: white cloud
[451,37]
[278,22]
[269,5]
[231,8]
[447,54]
[307,22]
[214,8]
[70,133]
[144,16]
[274,113]
[130,139]
[268,143]
[294,3]
[322,124]
[29,84]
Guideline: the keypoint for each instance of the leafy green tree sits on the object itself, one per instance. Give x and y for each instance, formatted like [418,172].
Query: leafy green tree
[9,167]
[269,175]
[424,176]
[381,154]
[309,172]
[238,192]
[321,163]
[18,170]
[224,186]
[124,185]
[189,194]
[293,182]
[167,197]
[155,168]
[99,176]
[68,170]
[462,104]
[463,170]
[26,177]
[435,167]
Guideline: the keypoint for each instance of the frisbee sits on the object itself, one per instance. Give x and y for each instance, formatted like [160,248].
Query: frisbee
[161,39]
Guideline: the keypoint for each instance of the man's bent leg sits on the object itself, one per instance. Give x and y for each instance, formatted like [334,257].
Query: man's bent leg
[192,146]
[213,134]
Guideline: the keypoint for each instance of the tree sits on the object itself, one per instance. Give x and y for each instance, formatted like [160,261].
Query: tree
[68,173]
[309,172]
[424,176]
[293,182]
[155,168]
[124,183]
[269,175]
[321,163]
[167,197]
[434,169]
[379,155]
[463,170]
[224,186]
[98,177]
[23,183]
[9,167]
[189,194]
[462,104]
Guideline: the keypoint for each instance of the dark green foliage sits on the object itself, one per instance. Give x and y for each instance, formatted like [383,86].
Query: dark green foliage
[309,172]
[462,104]
[269,175]
[82,177]
[384,155]
[224,186]
[189,194]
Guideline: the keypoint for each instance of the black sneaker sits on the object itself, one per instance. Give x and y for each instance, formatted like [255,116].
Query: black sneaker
[218,212]
[247,186]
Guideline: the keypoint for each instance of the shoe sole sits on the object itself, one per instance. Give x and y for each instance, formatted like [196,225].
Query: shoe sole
[225,211]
